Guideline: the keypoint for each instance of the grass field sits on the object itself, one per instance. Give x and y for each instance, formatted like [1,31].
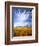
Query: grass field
[23,31]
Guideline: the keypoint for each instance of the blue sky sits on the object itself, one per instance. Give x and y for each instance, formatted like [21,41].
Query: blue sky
[22,16]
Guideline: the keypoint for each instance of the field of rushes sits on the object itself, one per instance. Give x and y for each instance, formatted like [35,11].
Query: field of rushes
[22,31]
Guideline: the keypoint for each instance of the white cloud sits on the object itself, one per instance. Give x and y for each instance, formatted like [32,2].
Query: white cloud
[22,16]
[20,24]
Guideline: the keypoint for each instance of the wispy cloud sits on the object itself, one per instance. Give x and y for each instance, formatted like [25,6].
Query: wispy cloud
[21,18]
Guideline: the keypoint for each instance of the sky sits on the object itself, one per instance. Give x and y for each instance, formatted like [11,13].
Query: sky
[22,16]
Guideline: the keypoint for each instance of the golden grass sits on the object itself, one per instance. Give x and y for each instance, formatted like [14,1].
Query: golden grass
[22,31]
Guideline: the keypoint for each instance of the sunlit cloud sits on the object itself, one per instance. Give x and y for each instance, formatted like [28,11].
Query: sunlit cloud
[22,18]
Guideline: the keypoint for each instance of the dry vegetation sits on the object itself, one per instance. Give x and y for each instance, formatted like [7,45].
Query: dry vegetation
[22,31]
